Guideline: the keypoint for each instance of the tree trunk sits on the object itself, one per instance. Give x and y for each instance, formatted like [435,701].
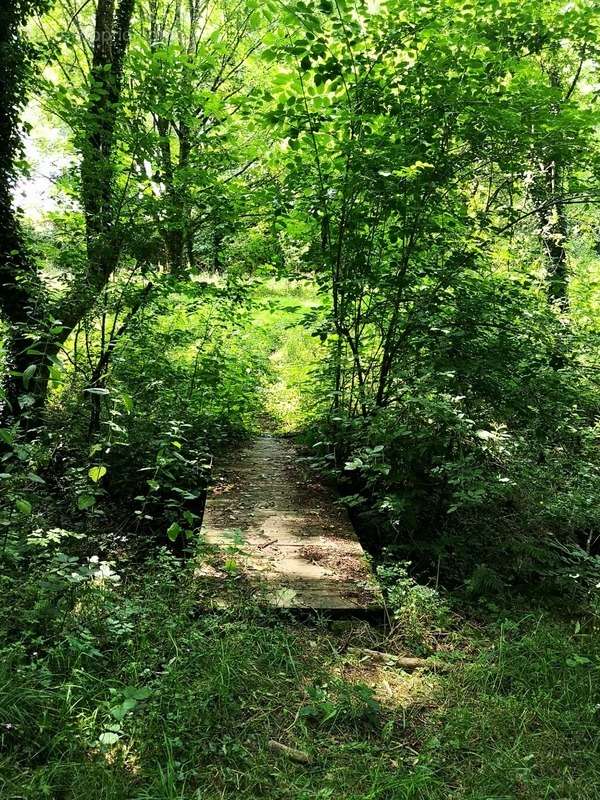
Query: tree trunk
[553,233]
[97,170]
[33,341]
[20,287]
[548,191]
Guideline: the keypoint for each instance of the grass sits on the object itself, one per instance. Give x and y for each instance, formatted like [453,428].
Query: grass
[136,693]
[522,719]
[293,352]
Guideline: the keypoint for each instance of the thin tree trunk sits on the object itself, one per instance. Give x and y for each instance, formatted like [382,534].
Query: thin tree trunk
[553,233]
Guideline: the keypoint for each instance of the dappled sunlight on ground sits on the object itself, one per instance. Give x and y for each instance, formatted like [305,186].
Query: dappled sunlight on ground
[393,687]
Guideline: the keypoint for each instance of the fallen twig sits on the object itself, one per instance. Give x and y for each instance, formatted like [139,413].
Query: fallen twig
[294,755]
[266,544]
[405,662]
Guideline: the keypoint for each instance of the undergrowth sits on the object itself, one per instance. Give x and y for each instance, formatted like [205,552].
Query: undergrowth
[132,690]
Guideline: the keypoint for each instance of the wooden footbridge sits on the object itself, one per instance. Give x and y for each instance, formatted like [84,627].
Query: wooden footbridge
[284,539]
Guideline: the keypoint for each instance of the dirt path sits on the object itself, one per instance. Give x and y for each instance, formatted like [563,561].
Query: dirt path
[281,536]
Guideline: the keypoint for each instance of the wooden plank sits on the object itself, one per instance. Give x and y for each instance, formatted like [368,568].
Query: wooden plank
[283,538]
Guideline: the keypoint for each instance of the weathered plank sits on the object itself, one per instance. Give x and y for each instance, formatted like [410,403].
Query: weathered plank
[283,538]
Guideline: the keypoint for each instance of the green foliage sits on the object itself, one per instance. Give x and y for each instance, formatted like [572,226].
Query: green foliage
[283,319]
[418,611]
[392,165]
[138,692]
[373,224]
[488,449]
[340,704]
[131,691]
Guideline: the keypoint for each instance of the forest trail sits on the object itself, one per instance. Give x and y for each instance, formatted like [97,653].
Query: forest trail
[284,536]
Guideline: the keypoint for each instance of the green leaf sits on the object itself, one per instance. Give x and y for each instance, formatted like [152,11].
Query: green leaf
[96,473]
[141,693]
[119,712]
[23,506]
[28,374]
[356,463]
[108,738]
[85,501]
[173,531]
[6,436]
[578,661]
